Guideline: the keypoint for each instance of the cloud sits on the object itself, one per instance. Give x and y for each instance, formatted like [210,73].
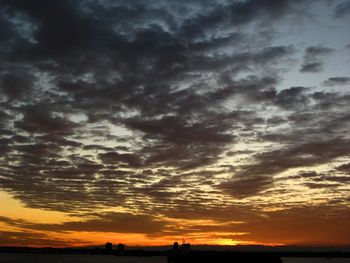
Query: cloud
[39,119]
[313,58]
[292,98]
[27,238]
[312,67]
[342,9]
[16,86]
[344,167]
[251,179]
[337,81]
[114,157]
[321,185]
[110,222]
[245,187]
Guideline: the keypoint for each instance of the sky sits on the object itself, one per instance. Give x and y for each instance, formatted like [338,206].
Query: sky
[146,122]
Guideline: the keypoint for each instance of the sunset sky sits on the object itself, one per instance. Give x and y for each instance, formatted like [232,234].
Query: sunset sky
[145,122]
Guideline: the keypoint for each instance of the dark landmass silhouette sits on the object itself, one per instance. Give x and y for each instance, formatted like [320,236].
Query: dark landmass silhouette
[198,253]
[225,256]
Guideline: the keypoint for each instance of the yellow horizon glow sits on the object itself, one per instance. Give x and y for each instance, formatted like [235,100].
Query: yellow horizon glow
[13,208]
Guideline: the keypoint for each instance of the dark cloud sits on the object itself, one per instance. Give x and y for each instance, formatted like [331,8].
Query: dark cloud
[293,97]
[40,119]
[312,67]
[116,158]
[338,179]
[60,27]
[16,86]
[344,167]
[311,174]
[313,58]
[313,51]
[342,9]
[237,14]
[246,186]
[321,185]
[337,81]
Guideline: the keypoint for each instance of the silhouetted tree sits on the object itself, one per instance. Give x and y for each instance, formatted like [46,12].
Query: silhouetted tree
[121,249]
[109,247]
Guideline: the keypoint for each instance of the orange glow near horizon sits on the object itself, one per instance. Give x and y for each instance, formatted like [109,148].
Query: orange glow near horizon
[79,239]
[23,221]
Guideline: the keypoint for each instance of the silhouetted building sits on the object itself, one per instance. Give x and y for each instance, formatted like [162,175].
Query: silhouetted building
[175,246]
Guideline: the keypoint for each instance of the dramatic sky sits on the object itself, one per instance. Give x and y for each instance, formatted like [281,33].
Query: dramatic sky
[145,122]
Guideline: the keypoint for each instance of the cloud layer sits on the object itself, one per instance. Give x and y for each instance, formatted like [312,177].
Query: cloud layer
[168,109]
